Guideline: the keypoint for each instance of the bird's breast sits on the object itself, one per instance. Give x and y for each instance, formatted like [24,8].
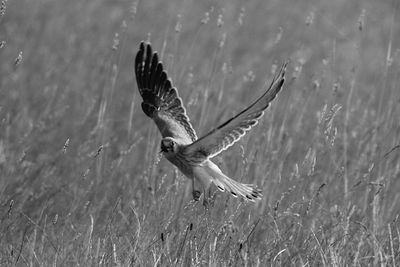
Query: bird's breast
[183,165]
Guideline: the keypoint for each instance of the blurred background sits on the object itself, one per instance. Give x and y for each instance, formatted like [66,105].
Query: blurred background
[79,163]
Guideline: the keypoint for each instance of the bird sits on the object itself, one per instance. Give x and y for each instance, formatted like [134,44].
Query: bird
[180,144]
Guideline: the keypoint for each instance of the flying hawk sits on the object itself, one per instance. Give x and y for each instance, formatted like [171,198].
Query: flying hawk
[179,143]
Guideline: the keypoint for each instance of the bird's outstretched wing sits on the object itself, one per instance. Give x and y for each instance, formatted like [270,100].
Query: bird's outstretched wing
[161,101]
[232,130]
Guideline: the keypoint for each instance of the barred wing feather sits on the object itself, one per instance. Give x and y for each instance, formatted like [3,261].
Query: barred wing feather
[161,101]
[232,130]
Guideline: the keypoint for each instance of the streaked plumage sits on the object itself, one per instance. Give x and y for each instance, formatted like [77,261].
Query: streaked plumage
[180,144]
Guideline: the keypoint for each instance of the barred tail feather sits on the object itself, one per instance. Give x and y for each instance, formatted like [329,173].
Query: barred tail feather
[223,182]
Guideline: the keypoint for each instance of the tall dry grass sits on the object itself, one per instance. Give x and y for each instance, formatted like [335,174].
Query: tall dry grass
[81,181]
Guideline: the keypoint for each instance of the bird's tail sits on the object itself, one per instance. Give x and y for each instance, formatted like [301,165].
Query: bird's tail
[223,182]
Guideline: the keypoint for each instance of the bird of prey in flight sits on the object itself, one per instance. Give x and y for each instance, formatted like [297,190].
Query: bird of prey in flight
[180,144]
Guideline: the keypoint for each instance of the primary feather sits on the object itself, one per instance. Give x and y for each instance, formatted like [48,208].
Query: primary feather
[161,101]
[228,133]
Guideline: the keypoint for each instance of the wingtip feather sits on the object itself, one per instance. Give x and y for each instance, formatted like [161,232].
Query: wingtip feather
[158,93]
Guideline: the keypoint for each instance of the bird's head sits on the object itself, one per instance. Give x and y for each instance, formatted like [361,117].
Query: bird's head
[168,145]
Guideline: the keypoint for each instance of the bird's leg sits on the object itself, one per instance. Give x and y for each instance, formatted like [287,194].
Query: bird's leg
[196,193]
[206,202]
[208,199]
[211,196]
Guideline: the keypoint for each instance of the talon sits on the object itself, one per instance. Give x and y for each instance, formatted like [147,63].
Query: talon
[196,195]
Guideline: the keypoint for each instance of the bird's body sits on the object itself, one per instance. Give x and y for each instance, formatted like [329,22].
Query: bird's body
[207,172]
[180,144]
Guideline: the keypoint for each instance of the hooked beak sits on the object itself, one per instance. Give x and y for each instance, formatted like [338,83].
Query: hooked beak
[163,149]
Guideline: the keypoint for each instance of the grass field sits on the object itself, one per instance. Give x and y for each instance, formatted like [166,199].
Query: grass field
[81,179]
